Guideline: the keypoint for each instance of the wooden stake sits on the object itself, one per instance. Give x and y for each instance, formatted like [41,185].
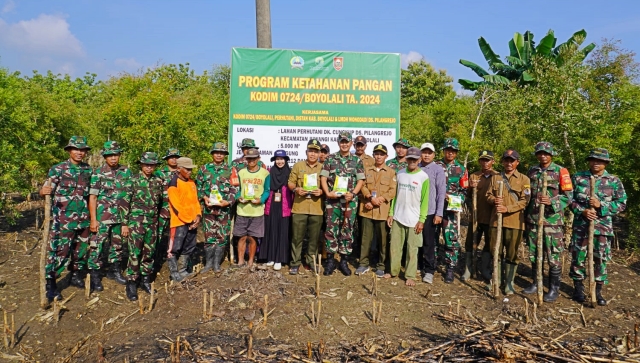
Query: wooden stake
[458,308]
[166,288]
[5,327]
[540,241]
[171,354]
[535,312]
[373,312]
[313,314]
[178,349]
[13,331]
[44,302]
[87,286]
[316,267]
[635,339]
[590,267]
[526,310]
[496,251]
[379,316]
[204,304]
[153,292]
[210,304]
[140,305]
[56,311]
[309,350]
[265,310]
[250,347]
[318,316]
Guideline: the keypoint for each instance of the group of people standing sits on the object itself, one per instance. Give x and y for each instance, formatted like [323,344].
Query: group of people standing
[328,203]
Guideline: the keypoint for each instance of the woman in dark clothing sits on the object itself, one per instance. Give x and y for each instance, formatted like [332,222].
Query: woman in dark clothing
[275,245]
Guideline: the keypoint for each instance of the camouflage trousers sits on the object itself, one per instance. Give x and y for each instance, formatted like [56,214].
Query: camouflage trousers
[162,242]
[552,242]
[449,229]
[340,217]
[142,242]
[217,229]
[64,244]
[100,240]
[601,254]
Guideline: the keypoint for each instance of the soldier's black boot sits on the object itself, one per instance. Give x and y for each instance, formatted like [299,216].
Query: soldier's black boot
[96,284]
[209,256]
[77,279]
[172,262]
[115,274]
[132,290]
[554,285]
[330,265]
[578,291]
[533,288]
[601,301]
[218,256]
[183,265]
[145,284]
[344,265]
[52,290]
[448,275]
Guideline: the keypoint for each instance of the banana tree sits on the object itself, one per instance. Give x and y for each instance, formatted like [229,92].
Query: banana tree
[522,49]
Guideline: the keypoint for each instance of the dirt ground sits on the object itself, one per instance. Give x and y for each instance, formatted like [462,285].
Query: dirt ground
[110,321]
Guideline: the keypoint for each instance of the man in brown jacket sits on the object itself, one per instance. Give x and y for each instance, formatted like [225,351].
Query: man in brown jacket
[480,180]
[516,191]
[377,192]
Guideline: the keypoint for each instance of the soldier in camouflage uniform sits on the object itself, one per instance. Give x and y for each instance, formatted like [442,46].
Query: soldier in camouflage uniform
[557,198]
[609,200]
[341,205]
[216,176]
[69,233]
[140,211]
[166,173]
[399,162]
[241,162]
[457,182]
[108,189]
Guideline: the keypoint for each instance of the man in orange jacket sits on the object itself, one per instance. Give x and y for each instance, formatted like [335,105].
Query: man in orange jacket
[185,218]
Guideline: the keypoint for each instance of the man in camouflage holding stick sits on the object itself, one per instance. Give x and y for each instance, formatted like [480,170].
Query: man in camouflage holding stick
[457,180]
[165,174]
[140,213]
[341,178]
[108,189]
[557,198]
[609,200]
[69,234]
[214,181]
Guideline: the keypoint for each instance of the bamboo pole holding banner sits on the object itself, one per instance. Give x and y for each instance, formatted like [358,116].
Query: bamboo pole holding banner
[590,267]
[496,251]
[540,241]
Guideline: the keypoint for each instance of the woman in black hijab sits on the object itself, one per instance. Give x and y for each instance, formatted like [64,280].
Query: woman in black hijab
[275,245]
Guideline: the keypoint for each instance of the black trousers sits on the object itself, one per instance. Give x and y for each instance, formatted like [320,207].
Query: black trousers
[182,240]
[429,246]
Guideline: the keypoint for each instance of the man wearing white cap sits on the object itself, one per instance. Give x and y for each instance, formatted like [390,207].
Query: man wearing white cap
[437,193]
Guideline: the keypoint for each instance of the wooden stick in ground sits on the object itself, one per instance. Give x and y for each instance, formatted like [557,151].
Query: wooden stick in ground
[540,241]
[474,226]
[496,251]
[316,267]
[204,304]
[56,311]
[590,267]
[152,297]
[313,314]
[379,316]
[87,286]
[5,327]
[635,339]
[265,310]
[318,316]
[250,345]
[44,302]
[373,311]
[309,350]
[178,349]
[535,313]
[140,305]
[13,331]
[210,304]
[526,310]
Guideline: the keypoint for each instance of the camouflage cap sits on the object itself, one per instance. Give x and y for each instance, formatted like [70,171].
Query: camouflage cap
[450,143]
[248,143]
[545,147]
[149,157]
[77,142]
[219,146]
[600,154]
[345,135]
[314,144]
[402,142]
[172,151]
[111,148]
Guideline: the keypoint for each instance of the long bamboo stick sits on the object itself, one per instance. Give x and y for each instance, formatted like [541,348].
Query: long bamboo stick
[496,251]
[590,267]
[44,302]
[539,244]
[474,259]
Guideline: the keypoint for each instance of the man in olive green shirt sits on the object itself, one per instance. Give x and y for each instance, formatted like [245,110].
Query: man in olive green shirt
[306,213]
